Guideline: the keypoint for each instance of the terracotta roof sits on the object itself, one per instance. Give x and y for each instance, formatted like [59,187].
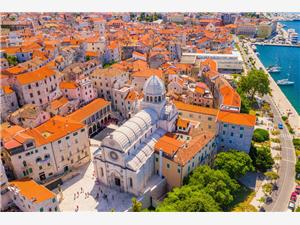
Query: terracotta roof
[182,123]
[54,129]
[148,73]
[196,109]
[194,146]
[88,110]
[168,145]
[108,72]
[33,191]
[132,96]
[237,118]
[34,76]
[68,85]
[58,103]
[7,89]
[230,96]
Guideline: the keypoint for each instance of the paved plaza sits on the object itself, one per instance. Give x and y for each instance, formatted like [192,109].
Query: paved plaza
[86,198]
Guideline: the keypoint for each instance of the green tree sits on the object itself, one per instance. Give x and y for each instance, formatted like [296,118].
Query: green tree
[12,60]
[261,158]
[217,183]
[235,163]
[271,175]
[267,188]
[136,205]
[297,167]
[260,135]
[255,83]
[188,199]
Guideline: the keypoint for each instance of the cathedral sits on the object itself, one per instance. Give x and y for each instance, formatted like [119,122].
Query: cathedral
[126,157]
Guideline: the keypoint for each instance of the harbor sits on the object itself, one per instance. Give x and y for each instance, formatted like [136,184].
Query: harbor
[279,97]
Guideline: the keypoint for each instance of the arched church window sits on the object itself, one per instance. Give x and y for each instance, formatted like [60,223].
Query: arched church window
[155,99]
[151,100]
[159,98]
[147,98]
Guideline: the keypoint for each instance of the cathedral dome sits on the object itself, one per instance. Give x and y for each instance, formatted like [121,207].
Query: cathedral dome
[154,86]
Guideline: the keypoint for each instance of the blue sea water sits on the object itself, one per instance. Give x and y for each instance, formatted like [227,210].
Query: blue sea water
[292,25]
[288,58]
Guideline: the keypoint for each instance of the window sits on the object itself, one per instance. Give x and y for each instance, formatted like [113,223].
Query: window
[241,135]
[168,165]
[130,182]
[232,127]
[38,92]
[67,138]
[102,174]
[156,159]
[231,134]
[24,163]
[40,167]
[31,95]
[19,156]
[241,128]
[53,200]
[42,209]
[209,118]
[30,170]
[29,86]
[225,125]
[59,142]
[178,170]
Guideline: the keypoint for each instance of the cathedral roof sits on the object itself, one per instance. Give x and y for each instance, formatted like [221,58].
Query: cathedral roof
[154,86]
[129,132]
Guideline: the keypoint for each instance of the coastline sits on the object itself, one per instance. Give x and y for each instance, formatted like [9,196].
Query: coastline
[281,101]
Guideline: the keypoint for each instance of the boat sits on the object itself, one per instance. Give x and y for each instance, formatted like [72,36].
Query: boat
[285,82]
[273,69]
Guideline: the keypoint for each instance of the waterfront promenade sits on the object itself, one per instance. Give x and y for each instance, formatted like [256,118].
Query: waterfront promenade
[280,100]
[276,44]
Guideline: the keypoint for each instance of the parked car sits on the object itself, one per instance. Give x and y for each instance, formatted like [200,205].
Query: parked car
[297,189]
[269,200]
[292,206]
[293,197]
[280,126]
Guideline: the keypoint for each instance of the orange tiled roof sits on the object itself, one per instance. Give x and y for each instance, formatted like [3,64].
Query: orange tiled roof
[182,123]
[237,118]
[230,96]
[54,129]
[194,146]
[88,110]
[34,76]
[132,96]
[58,103]
[68,85]
[33,191]
[168,145]
[7,89]
[148,73]
[196,109]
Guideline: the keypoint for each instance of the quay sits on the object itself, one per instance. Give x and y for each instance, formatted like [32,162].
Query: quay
[277,44]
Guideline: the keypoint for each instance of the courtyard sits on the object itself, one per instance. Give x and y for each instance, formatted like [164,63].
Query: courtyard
[84,193]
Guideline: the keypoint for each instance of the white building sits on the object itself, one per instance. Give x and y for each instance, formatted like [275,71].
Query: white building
[226,62]
[29,196]
[126,158]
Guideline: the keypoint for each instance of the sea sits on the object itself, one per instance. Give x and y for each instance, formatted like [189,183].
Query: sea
[288,58]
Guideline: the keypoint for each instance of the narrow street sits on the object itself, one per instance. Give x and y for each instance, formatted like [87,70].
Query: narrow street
[286,181]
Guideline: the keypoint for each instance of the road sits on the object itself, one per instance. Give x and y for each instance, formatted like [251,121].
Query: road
[286,181]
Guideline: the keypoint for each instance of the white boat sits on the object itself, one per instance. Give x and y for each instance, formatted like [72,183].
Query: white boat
[285,82]
[274,69]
